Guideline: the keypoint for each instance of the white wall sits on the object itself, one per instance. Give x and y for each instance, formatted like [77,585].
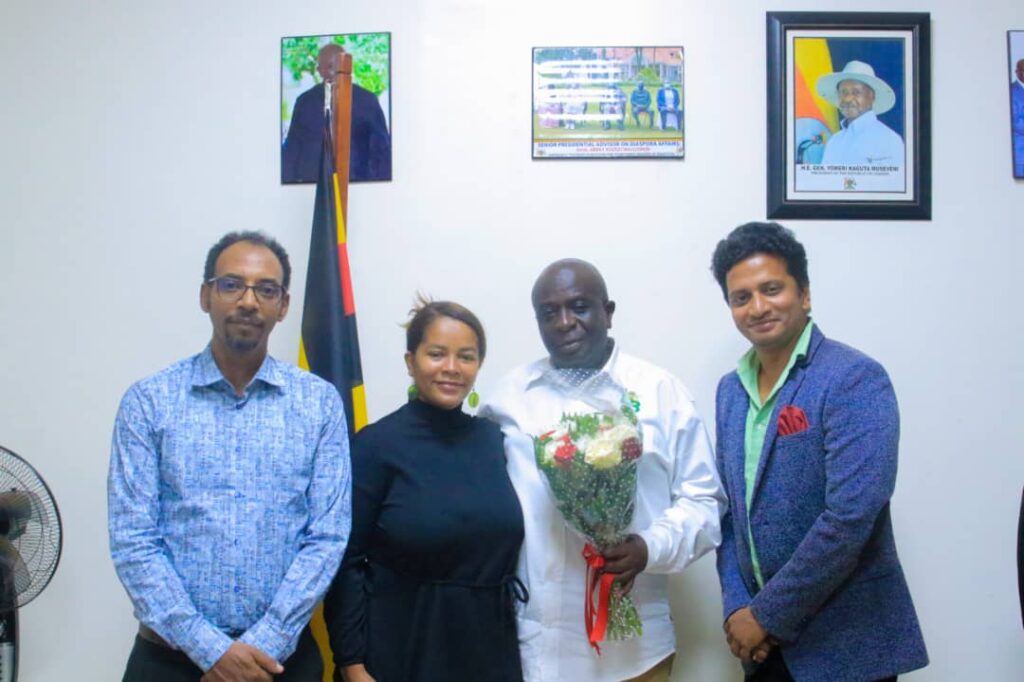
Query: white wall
[134,133]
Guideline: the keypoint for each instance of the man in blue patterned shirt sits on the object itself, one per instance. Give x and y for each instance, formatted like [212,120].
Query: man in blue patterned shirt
[229,491]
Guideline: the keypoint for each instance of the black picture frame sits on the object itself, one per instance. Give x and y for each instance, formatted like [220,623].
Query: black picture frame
[847,182]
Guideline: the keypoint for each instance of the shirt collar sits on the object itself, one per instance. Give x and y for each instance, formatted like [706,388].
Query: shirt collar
[205,371]
[541,367]
[748,365]
[865,119]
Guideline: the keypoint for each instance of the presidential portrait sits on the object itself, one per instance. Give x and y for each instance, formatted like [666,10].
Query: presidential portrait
[848,109]
[308,65]
[849,115]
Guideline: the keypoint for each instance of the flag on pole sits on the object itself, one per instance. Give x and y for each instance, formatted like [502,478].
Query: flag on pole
[329,346]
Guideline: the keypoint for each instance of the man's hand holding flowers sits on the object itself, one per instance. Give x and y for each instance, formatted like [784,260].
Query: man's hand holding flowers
[626,560]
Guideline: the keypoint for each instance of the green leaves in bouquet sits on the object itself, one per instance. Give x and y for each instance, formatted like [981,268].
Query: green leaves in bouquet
[596,502]
[610,506]
[623,618]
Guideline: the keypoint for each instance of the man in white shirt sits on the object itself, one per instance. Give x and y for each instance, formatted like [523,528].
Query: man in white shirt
[679,495]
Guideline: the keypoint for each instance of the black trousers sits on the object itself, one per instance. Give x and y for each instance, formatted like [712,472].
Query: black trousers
[151,662]
[774,670]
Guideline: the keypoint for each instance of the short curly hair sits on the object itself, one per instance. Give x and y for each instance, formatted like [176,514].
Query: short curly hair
[251,237]
[754,238]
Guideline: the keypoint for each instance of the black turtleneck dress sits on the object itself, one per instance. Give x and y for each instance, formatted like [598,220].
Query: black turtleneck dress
[426,589]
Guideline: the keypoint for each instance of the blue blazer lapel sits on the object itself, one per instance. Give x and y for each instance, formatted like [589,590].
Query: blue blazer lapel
[784,397]
[738,407]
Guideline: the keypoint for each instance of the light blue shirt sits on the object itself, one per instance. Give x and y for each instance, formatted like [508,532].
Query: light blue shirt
[228,515]
[865,141]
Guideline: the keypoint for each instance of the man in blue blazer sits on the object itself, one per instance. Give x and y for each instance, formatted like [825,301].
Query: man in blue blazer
[808,433]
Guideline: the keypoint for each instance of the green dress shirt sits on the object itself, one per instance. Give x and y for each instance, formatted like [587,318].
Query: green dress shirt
[758,417]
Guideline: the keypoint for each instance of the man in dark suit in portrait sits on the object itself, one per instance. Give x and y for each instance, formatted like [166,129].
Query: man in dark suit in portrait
[370,156]
[640,102]
[808,433]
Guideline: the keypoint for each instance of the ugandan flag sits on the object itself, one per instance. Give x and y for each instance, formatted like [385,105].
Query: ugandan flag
[330,344]
[813,60]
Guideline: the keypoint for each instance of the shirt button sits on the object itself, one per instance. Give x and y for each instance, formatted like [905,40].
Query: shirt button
[237,589]
[237,543]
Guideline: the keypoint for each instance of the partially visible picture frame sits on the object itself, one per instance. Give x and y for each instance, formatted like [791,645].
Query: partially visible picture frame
[304,63]
[1015,55]
[849,115]
[608,102]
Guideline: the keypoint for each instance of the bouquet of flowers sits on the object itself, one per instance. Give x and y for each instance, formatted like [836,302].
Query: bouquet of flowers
[589,461]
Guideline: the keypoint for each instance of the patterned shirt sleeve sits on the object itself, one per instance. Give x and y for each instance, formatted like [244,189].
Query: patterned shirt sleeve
[136,544]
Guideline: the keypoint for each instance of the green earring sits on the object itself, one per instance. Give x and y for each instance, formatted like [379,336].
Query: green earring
[474,398]
[414,392]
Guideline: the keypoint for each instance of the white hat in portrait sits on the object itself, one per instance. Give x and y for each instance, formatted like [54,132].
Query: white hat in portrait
[828,85]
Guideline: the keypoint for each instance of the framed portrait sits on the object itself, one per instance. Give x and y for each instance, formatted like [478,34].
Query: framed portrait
[305,62]
[849,115]
[1015,53]
[608,102]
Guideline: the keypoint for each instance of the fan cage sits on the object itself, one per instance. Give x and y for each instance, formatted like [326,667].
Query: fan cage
[39,541]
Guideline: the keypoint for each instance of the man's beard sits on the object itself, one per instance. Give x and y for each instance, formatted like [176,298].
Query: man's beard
[241,345]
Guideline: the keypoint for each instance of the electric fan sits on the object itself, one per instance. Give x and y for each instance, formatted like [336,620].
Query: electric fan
[30,543]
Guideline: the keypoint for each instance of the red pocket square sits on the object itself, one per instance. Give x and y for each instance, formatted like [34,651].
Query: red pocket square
[792,420]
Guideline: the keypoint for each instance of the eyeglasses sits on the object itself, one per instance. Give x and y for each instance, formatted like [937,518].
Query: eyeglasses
[233,289]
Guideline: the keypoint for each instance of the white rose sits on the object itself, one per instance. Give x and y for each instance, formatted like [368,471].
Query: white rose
[620,432]
[603,453]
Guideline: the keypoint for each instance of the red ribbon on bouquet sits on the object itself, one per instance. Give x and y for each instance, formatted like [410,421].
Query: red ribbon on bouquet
[596,619]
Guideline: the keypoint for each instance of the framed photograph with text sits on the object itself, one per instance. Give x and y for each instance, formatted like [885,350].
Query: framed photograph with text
[608,102]
[1015,53]
[849,115]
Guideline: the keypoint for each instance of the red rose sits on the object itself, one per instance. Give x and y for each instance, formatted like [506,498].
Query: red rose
[564,452]
[631,449]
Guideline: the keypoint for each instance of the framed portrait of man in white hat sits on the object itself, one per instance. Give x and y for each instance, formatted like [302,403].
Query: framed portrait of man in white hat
[849,115]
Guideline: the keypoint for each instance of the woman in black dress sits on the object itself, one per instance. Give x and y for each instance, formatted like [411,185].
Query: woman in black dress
[426,589]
